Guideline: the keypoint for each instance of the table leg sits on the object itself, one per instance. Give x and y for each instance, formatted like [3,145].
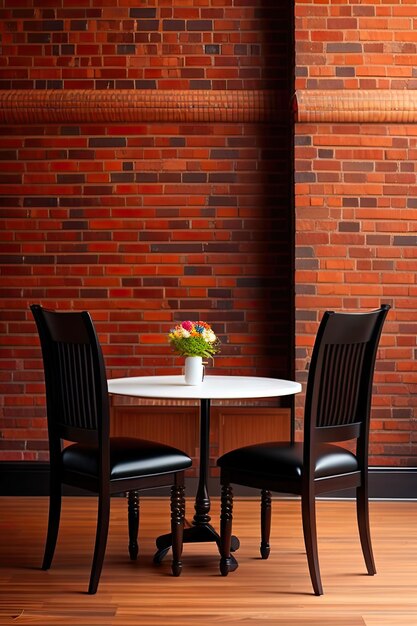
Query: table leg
[201,530]
[202,500]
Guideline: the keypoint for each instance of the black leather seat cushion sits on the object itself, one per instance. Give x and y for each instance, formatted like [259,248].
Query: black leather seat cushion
[129,457]
[286,460]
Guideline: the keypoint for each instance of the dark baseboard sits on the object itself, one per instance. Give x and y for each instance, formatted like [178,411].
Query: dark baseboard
[22,478]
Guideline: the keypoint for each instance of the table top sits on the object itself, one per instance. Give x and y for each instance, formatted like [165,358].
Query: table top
[213,387]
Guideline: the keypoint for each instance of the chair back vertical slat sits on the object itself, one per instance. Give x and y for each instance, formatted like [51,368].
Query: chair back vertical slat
[85,398]
[63,376]
[76,402]
[76,384]
[90,408]
[340,384]
[74,375]
[340,379]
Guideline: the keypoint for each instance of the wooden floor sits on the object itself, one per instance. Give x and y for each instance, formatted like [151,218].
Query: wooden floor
[276,592]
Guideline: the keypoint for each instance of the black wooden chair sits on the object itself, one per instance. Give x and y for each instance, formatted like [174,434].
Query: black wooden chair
[78,412]
[337,409]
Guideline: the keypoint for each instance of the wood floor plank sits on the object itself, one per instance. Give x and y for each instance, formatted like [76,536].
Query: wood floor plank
[277,591]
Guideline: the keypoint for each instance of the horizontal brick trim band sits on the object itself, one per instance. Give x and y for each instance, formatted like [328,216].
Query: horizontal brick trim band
[142,105]
[379,106]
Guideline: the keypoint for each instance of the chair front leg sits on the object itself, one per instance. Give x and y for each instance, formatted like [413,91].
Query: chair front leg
[362,512]
[308,508]
[103,517]
[177,525]
[133,523]
[226,517]
[54,516]
[265,522]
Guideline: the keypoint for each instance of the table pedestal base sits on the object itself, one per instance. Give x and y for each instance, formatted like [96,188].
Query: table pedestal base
[199,533]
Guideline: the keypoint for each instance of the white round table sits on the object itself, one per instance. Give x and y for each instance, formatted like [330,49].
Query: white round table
[211,388]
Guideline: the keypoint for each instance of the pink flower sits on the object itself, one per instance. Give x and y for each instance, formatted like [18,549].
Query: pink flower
[187,325]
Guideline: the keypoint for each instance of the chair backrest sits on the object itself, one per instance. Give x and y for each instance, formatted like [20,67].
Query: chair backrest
[75,377]
[339,387]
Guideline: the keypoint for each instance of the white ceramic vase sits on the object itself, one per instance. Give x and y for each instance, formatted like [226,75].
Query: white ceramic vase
[194,370]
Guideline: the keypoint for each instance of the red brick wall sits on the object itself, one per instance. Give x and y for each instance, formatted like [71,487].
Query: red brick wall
[143,224]
[356,199]
[88,225]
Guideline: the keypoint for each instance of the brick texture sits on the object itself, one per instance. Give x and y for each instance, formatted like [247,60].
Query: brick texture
[170,45]
[356,186]
[143,223]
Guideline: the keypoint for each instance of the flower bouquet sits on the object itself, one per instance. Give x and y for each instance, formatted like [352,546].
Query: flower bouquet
[194,339]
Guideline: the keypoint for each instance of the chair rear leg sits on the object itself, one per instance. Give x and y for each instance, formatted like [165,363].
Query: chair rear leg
[226,517]
[362,513]
[265,523]
[103,517]
[308,507]
[177,526]
[54,517]
[133,523]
